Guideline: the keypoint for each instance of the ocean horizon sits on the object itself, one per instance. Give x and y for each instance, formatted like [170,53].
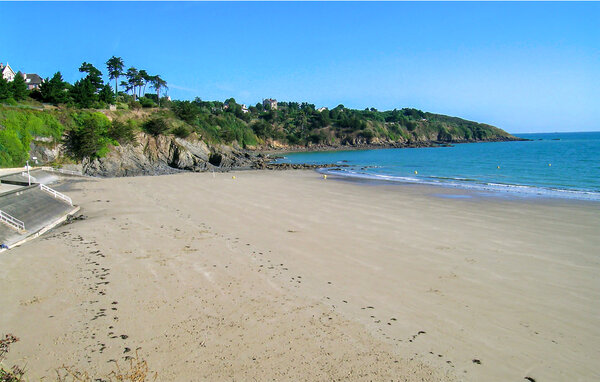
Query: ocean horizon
[557,165]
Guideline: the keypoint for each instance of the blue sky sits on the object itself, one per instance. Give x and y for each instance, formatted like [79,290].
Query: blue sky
[524,67]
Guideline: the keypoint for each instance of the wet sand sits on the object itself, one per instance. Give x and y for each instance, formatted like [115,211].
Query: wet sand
[286,276]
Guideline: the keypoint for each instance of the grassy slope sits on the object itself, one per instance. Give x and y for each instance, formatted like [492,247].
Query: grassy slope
[285,128]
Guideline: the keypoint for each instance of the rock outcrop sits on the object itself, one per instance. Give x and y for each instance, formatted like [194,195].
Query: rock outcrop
[167,155]
[45,149]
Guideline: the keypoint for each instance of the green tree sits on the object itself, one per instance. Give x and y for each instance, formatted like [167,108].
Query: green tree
[54,90]
[144,79]
[126,85]
[139,81]
[93,75]
[5,89]
[19,88]
[83,93]
[106,95]
[158,83]
[115,66]
[132,75]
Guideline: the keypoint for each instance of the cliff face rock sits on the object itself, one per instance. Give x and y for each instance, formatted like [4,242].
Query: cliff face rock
[44,149]
[166,155]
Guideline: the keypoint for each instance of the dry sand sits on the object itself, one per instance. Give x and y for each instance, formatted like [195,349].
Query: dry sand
[286,276]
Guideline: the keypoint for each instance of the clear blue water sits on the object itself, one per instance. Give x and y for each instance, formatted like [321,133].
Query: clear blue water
[565,165]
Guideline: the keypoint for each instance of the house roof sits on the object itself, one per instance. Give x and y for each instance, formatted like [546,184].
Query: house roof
[4,67]
[33,78]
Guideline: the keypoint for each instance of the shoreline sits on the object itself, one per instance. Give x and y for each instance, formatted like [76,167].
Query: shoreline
[374,146]
[280,274]
[507,191]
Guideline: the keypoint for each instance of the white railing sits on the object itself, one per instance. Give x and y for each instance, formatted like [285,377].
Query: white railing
[11,221]
[56,194]
[31,177]
[60,170]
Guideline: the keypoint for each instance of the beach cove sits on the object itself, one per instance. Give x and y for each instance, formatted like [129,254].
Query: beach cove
[287,276]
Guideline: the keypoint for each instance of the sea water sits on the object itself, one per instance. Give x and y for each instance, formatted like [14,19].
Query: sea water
[564,165]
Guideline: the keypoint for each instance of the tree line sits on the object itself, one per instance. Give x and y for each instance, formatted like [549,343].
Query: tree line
[90,91]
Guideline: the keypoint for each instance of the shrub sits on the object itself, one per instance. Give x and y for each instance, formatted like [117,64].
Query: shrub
[122,132]
[15,374]
[262,128]
[89,138]
[367,134]
[156,126]
[186,111]
[13,149]
[181,131]
[146,102]
[135,105]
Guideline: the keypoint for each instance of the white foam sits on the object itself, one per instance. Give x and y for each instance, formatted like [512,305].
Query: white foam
[465,183]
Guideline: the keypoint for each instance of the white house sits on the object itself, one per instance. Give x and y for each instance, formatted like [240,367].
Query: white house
[272,103]
[7,73]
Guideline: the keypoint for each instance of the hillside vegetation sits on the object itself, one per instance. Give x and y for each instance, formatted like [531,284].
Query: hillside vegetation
[76,122]
[90,133]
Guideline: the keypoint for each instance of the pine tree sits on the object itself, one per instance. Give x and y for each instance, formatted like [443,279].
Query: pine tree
[5,89]
[115,67]
[19,87]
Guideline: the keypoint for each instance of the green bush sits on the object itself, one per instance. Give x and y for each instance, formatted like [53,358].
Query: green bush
[17,127]
[181,131]
[14,148]
[122,132]
[156,126]
[89,138]
[146,102]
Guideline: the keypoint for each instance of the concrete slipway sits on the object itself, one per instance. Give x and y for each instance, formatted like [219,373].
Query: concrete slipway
[37,208]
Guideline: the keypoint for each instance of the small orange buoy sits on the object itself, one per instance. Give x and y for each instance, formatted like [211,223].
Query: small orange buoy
[498,167]
[416,172]
[549,164]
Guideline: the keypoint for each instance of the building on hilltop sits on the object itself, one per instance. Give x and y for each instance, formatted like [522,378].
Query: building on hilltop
[322,109]
[272,103]
[7,73]
[33,81]
[245,109]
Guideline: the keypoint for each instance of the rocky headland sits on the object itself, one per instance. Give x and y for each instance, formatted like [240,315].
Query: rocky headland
[158,155]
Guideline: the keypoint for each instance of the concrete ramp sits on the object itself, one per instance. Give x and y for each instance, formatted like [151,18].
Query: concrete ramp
[44,177]
[37,209]
[37,176]
[17,179]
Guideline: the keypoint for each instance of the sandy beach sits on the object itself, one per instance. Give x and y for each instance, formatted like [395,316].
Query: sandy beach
[287,276]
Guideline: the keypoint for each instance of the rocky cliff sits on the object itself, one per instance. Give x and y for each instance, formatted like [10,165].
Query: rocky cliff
[152,155]
[163,154]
